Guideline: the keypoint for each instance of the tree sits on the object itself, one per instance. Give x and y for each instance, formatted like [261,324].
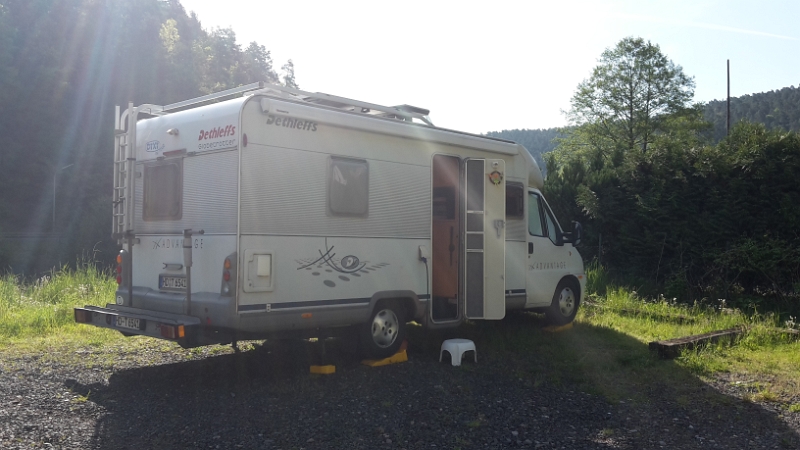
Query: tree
[629,94]
[258,63]
[288,75]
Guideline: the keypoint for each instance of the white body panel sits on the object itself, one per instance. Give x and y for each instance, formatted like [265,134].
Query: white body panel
[316,268]
[209,252]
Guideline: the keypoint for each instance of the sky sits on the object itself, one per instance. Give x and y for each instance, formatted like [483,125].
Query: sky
[494,65]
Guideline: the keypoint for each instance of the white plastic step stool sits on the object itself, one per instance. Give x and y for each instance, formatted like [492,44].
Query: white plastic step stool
[457,348]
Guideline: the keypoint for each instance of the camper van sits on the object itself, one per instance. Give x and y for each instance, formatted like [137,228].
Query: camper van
[270,212]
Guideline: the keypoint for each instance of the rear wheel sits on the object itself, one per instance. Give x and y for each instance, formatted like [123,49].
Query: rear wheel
[565,303]
[383,334]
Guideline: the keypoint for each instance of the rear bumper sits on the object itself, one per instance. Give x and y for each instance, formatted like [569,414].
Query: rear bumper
[127,320]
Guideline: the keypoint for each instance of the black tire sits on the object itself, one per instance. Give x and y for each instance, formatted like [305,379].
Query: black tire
[384,333]
[565,303]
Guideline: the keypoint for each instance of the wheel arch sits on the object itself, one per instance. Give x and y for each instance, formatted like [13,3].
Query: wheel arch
[413,307]
[576,284]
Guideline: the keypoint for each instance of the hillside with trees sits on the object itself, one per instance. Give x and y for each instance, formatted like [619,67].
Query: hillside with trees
[538,142]
[64,64]
[775,109]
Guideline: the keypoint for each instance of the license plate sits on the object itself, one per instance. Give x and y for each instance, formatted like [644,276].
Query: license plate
[171,283]
[130,323]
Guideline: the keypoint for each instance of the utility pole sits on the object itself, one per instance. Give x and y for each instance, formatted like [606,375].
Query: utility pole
[729,98]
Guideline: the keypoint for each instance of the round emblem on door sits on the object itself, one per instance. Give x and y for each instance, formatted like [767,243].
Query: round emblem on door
[349,262]
[496,178]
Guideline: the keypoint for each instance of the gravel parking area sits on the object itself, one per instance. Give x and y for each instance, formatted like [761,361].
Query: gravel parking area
[264,398]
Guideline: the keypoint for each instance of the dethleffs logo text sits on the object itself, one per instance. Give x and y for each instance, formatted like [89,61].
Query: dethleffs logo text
[292,123]
[218,132]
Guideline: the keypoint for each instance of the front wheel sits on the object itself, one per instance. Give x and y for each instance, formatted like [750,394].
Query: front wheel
[384,333]
[565,303]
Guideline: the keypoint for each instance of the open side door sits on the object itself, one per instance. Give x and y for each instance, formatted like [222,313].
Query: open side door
[484,245]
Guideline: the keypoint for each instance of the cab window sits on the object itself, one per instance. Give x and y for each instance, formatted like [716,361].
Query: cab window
[551,228]
[535,224]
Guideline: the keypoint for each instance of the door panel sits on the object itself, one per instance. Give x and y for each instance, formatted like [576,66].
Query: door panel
[484,246]
[446,229]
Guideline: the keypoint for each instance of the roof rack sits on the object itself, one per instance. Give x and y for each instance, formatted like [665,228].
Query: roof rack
[405,113]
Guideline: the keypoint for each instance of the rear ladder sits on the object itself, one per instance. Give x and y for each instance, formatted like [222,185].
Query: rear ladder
[124,158]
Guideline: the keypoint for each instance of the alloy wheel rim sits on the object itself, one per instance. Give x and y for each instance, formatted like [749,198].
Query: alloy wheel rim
[566,302]
[384,328]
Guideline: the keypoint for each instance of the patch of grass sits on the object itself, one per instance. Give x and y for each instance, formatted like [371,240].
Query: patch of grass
[597,278]
[795,408]
[764,395]
[761,353]
[44,307]
[82,398]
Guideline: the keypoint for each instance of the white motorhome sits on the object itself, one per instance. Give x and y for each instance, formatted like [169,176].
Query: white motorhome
[266,211]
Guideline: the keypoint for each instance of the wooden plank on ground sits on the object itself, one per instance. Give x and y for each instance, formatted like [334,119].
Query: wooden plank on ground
[672,348]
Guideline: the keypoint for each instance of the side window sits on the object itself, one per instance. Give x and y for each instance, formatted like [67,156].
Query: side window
[535,227]
[348,187]
[515,198]
[444,203]
[163,191]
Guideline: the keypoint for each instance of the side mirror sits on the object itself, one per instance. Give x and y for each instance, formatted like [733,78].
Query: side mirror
[577,231]
[575,236]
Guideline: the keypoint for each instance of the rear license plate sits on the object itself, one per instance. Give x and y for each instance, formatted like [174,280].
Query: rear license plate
[130,323]
[170,283]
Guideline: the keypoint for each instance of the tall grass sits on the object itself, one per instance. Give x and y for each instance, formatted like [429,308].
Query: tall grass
[597,278]
[44,306]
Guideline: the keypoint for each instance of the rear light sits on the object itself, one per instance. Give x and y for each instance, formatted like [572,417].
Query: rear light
[123,269]
[83,316]
[227,264]
[172,331]
[226,275]
[118,270]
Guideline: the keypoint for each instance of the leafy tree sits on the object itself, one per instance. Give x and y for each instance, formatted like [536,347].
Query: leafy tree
[257,61]
[629,93]
[288,75]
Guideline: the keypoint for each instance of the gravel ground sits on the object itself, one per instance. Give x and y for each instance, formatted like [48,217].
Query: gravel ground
[264,398]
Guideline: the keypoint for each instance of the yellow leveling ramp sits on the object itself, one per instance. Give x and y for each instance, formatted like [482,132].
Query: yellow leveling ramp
[398,357]
[323,370]
[555,329]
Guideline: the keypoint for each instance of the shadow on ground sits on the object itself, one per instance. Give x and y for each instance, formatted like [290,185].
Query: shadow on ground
[529,389]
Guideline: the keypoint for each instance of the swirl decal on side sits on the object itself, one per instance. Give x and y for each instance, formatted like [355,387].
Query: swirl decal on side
[348,268]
